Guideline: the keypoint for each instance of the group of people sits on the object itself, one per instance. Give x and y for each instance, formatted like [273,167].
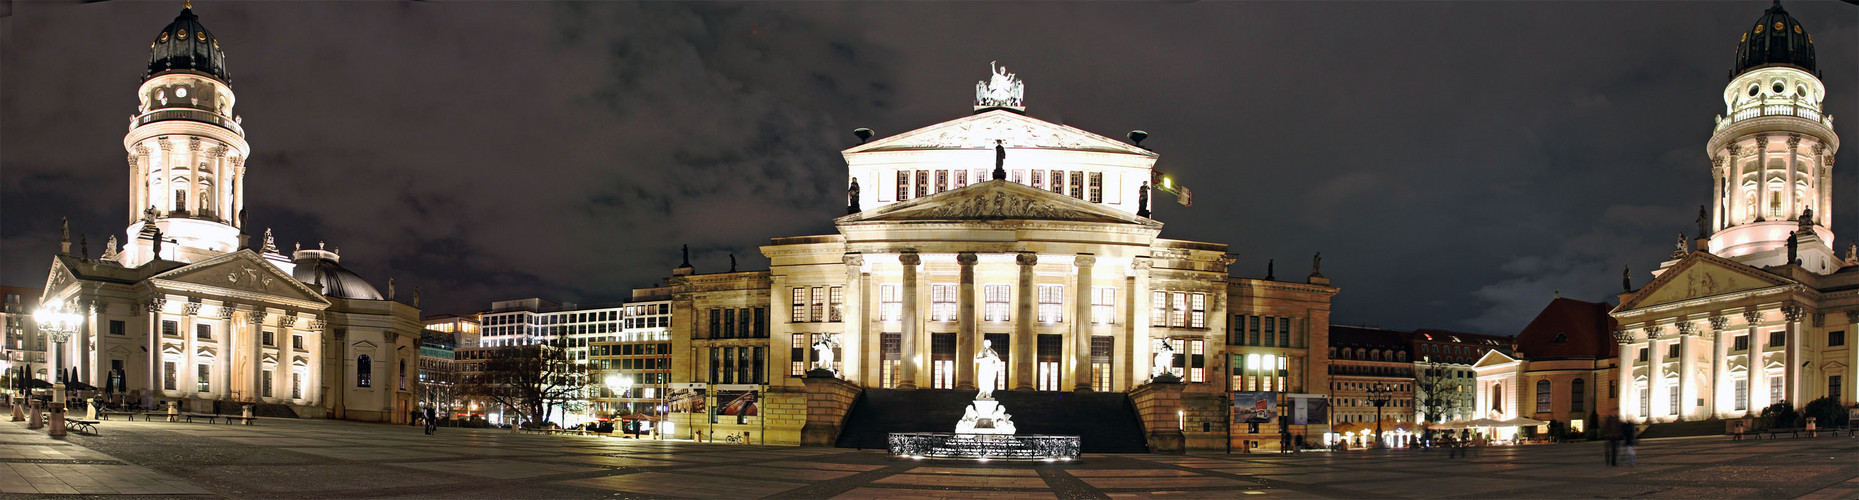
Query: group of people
[1619,432]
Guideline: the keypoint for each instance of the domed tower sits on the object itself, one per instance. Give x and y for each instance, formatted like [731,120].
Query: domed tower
[1772,152]
[186,149]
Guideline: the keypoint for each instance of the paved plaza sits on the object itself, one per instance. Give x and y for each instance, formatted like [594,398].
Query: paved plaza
[314,458]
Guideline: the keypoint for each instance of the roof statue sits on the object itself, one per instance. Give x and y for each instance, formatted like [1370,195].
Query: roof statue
[1852,254]
[1704,223]
[1794,247]
[1000,160]
[1679,253]
[1002,90]
[1270,274]
[271,245]
[852,197]
[390,289]
[687,256]
[83,246]
[732,262]
[1626,278]
[1807,217]
[157,245]
[1316,265]
[1142,200]
[109,249]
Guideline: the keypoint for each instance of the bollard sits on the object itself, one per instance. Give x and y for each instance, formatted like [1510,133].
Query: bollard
[90,410]
[19,414]
[174,411]
[247,413]
[37,419]
[57,425]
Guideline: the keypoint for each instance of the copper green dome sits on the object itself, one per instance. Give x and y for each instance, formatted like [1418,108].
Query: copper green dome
[185,45]
[1777,39]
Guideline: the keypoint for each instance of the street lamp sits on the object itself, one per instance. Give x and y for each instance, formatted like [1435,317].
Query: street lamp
[58,325]
[1380,394]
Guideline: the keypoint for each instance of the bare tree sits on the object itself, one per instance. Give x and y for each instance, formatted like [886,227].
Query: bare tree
[1438,394]
[440,390]
[531,379]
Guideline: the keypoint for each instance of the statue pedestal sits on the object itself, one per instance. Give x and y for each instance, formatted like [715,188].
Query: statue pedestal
[985,416]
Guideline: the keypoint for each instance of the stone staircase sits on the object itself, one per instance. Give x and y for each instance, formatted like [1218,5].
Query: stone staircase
[1106,422]
[1712,427]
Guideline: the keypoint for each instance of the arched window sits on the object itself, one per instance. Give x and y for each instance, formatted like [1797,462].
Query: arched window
[364,372]
[1542,396]
[1497,397]
[1578,389]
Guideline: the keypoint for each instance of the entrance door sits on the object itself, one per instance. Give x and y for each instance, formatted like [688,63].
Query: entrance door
[942,360]
[1051,346]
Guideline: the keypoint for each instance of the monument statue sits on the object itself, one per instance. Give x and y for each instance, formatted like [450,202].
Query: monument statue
[732,262]
[1316,265]
[109,249]
[852,197]
[1704,223]
[1794,247]
[157,245]
[1682,249]
[1164,359]
[1001,90]
[1142,200]
[988,366]
[1000,160]
[823,352]
[1626,278]
[390,286]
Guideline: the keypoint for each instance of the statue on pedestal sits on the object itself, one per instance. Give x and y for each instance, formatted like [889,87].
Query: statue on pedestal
[1164,367]
[987,369]
[823,353]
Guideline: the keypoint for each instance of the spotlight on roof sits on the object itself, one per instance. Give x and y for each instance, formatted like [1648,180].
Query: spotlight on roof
[862,133]
[1137,136]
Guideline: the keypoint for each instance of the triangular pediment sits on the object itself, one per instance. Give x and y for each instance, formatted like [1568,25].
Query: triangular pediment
[364,345]
[1013,130]
[1701,274]
[59,278]
[997,200]
[242,273]
[1493,358]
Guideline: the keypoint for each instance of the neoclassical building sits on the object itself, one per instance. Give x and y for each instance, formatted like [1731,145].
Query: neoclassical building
[187,308]
[1762,310]
[1001,231]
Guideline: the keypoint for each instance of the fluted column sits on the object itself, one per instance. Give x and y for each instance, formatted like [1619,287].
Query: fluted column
[908,348]
[1624,375]
[1721,399]
[1081,324]
[1023,345]
[1136,357]
[1794,155]
[852,318]
[86,329]
[1791,355]
[965,329]
[1655,376]
[1758,363]
[1687,395]
[1762,176]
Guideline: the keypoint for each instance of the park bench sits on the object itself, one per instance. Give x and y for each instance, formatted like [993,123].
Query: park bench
[78,424]
[244,420]
[191,416]
[1793,432]
[105,415]
[1738,436]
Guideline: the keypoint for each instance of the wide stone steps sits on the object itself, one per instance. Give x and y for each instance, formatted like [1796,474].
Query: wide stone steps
[1105,422]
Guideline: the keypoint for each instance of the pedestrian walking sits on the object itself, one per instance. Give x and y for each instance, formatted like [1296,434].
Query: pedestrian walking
[1612,430]
[1631,441]
[432,420]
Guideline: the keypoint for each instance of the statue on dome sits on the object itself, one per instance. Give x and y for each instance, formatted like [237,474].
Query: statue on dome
[157,245]
[1807,217]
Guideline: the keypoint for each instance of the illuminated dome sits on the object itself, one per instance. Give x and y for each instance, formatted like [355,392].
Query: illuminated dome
[323,269]
[185,45]
[1776,39]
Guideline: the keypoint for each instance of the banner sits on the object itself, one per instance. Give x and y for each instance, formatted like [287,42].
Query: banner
[1254,407]
[739,403]
[686,399]
[1308,409]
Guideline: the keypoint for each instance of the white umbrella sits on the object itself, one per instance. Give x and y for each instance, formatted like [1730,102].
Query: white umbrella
[1523,421]
[1485,422]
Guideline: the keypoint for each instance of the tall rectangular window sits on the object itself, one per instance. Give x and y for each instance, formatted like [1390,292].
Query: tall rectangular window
[745,321]
[1077,184]
[836,304]
[942,360]
[1051,303]
[1039,179]
[798,355]
[995,297]
[903,185]
[1236,330]
[1158,308]
[296,385]
[1672,407]
[1197,310]
[1543,396]
[1284,332]
[118,327]
[203,381]
[1101,371]
[1058,181]
[729,323]
[264,385]
[890,304]
[923,183]
[961,178]
[1103,304]
[1019,176]
[1833,386]
[798,298]
[942,180]
[818,311]
[1742,394]
[1097,187]
[203,332]
[1252,332]
[1776,392]
[1178,309]
[1197,361]
[167,375]
[1742,343]
[890,359]
[1047,358]
[942,302]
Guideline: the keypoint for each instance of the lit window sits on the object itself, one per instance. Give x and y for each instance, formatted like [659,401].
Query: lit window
[961,178]
[1158,308]
[1197,310]
[1039,179]
[1058,181]
[837,304]
[1077,185]
[1103,304]
[818,311]
[800,305]
[890,305]
[1051,303]
[942,302]
[1097,187]
[903,185]
[996,300]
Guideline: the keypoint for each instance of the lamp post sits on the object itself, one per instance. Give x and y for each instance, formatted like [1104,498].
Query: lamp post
[58,325]
[1380,394]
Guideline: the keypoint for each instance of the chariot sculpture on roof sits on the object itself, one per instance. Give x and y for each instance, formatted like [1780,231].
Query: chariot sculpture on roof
[1002,90]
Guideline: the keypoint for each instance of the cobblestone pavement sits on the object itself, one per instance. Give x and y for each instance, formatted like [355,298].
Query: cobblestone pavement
[314,458]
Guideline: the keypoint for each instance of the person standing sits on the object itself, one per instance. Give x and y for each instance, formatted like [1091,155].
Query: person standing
[432,420]
[1612,430]
[1631,441]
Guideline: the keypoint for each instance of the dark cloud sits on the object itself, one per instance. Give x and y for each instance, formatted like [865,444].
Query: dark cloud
[1457,163]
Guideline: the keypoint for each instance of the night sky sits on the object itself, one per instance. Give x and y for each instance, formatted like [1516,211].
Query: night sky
[1456,163]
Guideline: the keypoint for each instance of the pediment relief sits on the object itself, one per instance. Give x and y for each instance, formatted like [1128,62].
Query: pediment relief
[1701,275]
[242,271]
[59,278]
[1013,130]
[364,345]
[997,200]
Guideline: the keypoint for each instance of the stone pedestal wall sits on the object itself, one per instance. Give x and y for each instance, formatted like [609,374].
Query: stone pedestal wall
[1158,405]
[828,402]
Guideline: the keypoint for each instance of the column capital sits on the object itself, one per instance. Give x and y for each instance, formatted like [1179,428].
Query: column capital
[1622,337]
[226,310]
[1142,263]
[1718,322]
[1653,331]
[1792,312]
[966,258]
[190,308]
[1752,317]
[1085,260]
[910,258]
[854,259]
[1027,258]
[1685,327]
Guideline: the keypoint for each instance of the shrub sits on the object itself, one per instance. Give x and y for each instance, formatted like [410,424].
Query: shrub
[1826,411]
[1779,416]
